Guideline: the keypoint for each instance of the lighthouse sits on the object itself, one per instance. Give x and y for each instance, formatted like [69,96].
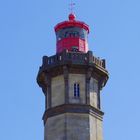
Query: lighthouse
[71,81]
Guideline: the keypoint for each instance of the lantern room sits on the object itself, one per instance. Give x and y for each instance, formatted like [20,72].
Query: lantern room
[72,35]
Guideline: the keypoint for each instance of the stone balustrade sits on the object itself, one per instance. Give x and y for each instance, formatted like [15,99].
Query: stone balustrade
[73,58]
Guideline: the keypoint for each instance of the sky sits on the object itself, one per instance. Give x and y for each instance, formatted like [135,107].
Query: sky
[27,34]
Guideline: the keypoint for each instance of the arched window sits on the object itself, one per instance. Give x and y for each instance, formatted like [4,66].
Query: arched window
[76,90]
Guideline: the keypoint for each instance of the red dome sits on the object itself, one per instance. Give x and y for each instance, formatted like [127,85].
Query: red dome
[72,16]
[71,22]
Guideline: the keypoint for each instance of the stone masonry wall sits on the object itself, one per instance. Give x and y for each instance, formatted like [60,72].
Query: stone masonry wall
[95,128]
[73,126]
[55,128]
[93,92]
[57,90]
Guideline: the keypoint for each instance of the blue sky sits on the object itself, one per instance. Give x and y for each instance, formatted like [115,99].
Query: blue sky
[26,34]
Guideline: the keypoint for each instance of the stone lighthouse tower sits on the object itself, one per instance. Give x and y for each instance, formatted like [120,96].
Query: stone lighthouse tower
[71,81]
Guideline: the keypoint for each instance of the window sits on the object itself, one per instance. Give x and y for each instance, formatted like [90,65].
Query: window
[71,32]
[76,90]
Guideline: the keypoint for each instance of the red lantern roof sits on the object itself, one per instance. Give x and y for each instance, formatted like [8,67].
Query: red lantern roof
[71,22]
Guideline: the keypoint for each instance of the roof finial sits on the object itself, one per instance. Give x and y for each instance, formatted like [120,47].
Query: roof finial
[72,7]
